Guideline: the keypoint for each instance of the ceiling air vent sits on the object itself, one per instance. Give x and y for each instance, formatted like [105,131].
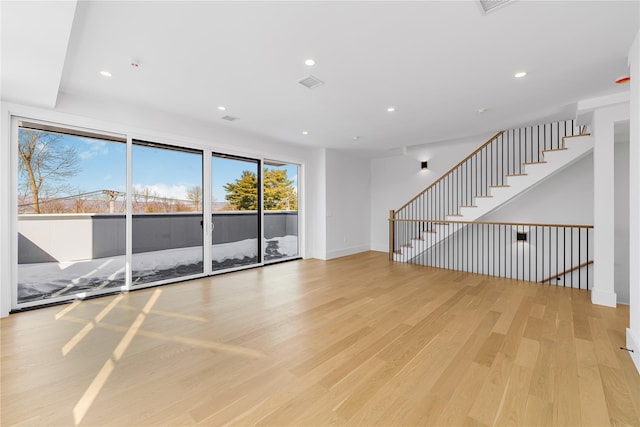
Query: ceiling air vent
[311,82]
[490,5]
[229,118]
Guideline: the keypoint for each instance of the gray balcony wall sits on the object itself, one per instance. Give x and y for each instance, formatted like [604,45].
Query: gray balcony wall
[73,237]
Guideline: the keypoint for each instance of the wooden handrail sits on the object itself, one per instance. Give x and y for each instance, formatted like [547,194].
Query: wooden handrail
[584,264]
[451,170]
[518,224]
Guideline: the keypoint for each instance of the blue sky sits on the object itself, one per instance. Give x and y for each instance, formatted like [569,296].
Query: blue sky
[166,172]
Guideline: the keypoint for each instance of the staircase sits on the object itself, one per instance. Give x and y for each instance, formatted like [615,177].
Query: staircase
[506,166]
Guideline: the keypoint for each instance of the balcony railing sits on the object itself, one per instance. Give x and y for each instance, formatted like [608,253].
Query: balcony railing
[73,237]
[61,256]
[557,254]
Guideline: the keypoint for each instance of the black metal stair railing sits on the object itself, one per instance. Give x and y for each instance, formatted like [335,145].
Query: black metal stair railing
[505,154]
[556,254]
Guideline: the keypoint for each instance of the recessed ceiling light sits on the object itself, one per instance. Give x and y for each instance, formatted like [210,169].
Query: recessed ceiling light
[520,74]
[391,109]
[309,62]
[105,73]
[482,110]
[304,132]
[356,138]
[222,108]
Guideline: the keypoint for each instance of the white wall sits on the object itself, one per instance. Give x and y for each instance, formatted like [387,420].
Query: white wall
[605,119]
[157,124]
[633,333]
[621,218]
[317,217]
[5,216]
[396,180]
[564,198]
[348,188]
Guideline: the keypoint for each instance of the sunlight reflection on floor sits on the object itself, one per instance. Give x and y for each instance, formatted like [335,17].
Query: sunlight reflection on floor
[135,329]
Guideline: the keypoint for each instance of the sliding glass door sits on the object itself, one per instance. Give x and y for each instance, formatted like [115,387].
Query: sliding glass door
[167,213]
[71,220]
[91,220]
[235,212]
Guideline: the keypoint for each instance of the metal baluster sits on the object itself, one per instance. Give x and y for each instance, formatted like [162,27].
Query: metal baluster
[580,258]
[587,287]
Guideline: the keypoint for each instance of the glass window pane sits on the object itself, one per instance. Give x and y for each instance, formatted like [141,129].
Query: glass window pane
[280,211]
[71,222]
[235,212]
[167,213]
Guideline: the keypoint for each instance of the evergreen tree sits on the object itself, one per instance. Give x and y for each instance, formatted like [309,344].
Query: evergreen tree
[242,195]
[279,193]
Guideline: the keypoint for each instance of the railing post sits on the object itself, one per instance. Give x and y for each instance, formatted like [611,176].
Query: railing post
[392,214]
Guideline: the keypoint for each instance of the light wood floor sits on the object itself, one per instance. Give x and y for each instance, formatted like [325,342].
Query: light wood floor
[353,341]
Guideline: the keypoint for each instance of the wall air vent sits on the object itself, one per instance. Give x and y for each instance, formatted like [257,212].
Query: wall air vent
[311,82]
[229,118]
[490,5]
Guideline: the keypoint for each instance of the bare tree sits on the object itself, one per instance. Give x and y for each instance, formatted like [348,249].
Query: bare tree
[194,194]
[44,162]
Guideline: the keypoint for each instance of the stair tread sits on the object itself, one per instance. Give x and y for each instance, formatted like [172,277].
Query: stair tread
[499,186]
[576,136]
[483,197]
[534,163]
[469,206]
[555,149]
[518,174]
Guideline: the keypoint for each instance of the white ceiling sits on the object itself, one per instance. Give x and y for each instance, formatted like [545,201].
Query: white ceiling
[437,62]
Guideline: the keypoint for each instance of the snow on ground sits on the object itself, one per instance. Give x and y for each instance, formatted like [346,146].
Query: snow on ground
[287,245]
[52,279]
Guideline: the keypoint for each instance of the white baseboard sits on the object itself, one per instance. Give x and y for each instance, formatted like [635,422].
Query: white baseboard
[603,298]
[347,251]
[633,343]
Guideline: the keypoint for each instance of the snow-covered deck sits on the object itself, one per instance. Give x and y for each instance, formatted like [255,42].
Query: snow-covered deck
[53,279]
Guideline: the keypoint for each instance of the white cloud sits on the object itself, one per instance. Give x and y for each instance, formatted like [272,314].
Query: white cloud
[94,149]
[163,190]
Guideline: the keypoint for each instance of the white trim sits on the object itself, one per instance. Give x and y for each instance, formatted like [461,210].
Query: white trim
[603,298]
[261,240]
[207,217]
[302,207]
[77,296]
[128,228]
[603,101]
[633,333]
[347,251]
[169,281]
[239,268]
[633,343]
[7,217]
